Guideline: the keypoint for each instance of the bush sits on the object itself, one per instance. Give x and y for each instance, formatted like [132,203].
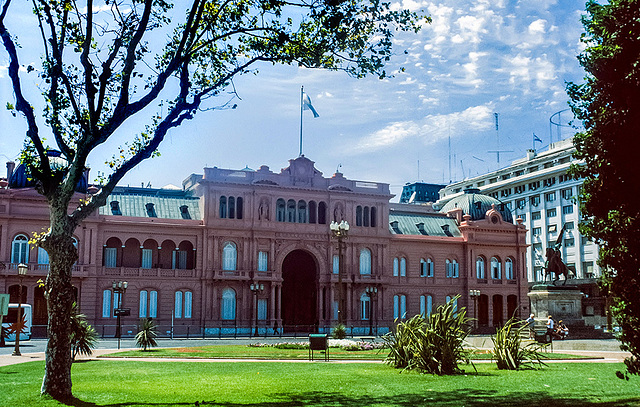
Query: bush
[84,337]
[508,349]
[431,346]
[339,332]
[146,337]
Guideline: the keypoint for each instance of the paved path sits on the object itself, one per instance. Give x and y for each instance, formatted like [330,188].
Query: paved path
[601,351]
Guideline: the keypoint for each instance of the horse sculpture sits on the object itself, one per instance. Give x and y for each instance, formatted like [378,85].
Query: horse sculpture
[554,263]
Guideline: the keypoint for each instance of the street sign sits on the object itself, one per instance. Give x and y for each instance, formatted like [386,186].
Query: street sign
[4,304]
[122,312]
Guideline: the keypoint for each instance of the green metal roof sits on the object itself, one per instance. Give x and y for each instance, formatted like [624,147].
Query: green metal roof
[432,225]
[477,205]
[165,207]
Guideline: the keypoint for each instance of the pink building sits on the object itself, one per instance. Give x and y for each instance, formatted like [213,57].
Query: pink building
[236,249]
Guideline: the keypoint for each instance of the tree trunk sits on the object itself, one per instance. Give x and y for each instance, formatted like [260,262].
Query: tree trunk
[60,297]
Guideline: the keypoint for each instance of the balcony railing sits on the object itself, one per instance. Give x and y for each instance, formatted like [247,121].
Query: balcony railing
[42,270]
[144,272]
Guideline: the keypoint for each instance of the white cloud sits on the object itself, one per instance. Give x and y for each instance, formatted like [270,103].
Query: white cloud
[430,129]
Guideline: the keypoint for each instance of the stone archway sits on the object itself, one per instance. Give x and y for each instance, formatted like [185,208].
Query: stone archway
[299,292]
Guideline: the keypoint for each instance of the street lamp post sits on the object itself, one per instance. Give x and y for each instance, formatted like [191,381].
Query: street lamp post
[371,291]
[474,295]
[340,231]
[22,271]
[119,287]
[256,288]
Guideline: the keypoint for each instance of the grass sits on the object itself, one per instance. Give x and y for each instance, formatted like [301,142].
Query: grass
[246,352]
[119,383]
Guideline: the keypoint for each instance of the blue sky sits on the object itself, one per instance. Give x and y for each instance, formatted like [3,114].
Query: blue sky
[477,58]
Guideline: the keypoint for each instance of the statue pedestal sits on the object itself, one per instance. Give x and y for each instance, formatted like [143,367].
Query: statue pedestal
[561,302]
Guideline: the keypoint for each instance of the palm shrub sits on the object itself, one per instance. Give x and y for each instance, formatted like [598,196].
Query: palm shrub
[339,331]
[434,345]
[146,337]
[84,337]
[509,350]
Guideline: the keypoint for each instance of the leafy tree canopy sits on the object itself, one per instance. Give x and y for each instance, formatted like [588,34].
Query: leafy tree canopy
[608,103]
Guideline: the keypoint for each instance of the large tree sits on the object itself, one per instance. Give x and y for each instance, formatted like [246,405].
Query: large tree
[608,104]
[105,64]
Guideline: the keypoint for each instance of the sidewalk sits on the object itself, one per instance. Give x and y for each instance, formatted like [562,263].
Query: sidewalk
[598,350]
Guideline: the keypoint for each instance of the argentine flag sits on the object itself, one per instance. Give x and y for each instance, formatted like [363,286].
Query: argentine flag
[306,105]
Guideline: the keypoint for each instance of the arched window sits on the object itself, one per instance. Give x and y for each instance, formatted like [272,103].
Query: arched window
[365,307]
[239,205]
[426,305]
[358,215]
[280,210]
[177,305]
[322,213]
[43,256]
[496,269]
[153,304]
[365,261]
[399,306]
[302,212]
[480,268]
[106,303]
[452,268]
[373,217]
[228,308]
[148,304]
[232,207]
[396,266]
[223,207]
[291,211]
[142,310]
[313,210]
[229,256]
[423,268]
[20,249]
[455,301]
[508,268]
[365,216]
[403,266]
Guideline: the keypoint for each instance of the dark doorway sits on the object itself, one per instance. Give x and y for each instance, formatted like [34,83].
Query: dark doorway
[497,310]
[483,310]
[299,292]
[512,306]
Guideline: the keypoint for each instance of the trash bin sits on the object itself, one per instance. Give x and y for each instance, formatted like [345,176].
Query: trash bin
[543,337]
[319,342]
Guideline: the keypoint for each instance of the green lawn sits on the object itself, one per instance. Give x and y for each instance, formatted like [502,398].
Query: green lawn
[116,383]
[244,352]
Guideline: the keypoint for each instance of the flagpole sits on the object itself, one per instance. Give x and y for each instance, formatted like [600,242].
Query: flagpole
[301,108]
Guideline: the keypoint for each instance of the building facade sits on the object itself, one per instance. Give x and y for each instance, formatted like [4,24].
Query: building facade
[239,251]
[538,190]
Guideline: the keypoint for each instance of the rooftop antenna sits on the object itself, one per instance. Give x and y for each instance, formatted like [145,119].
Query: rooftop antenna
[556,120]
[338,168]
[449,153]
[498,151]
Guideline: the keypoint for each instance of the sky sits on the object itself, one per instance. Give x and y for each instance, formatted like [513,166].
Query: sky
[434,121]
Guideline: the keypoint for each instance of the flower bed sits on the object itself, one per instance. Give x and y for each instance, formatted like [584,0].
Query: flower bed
[344,344]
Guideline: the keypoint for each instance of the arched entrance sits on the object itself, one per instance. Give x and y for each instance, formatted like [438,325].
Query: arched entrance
[299,292]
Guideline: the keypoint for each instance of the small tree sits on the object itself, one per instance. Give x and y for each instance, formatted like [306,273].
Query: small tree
[146,337]
[510,352]
[339,331]
[84,337]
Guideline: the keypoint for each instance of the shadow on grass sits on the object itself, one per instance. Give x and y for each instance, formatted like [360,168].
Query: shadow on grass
[459,397]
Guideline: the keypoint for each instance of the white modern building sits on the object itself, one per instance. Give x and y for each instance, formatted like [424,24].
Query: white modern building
[537,189]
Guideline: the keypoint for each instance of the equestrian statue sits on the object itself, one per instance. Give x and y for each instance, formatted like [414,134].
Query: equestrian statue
[554,263]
